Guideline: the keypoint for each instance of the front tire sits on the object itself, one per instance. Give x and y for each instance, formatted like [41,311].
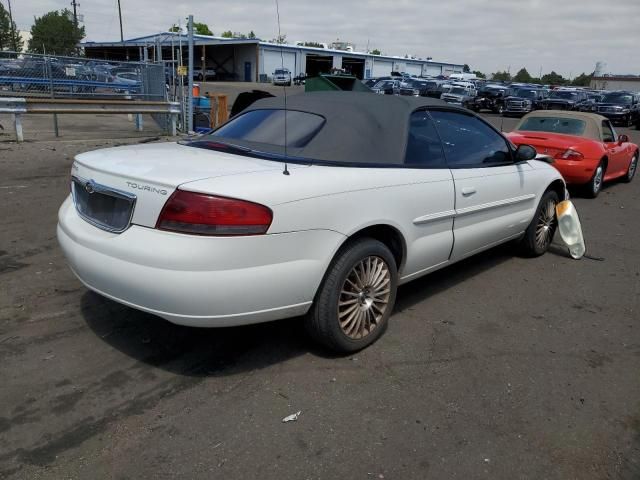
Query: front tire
[631,171]
[542,228]
[354,302]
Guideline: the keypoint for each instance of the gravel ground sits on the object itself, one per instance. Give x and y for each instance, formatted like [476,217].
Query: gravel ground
[498,367]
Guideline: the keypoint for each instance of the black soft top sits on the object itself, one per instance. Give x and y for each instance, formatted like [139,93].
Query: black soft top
[360,127]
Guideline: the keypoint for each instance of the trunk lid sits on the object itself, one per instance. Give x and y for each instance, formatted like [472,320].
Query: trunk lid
[152,172]
[546,143]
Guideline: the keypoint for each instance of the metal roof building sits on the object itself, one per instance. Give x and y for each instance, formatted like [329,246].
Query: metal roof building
[254,60]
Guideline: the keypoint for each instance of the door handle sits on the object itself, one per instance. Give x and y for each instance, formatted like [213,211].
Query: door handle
[466,191]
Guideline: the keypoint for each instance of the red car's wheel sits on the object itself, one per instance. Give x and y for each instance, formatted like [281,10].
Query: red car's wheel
[595,184]
[631,171]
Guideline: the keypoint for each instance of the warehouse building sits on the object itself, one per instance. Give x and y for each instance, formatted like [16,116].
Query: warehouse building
[629,83]
[253,60]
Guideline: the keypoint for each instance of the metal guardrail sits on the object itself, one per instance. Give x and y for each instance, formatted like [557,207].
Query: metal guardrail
[20,106]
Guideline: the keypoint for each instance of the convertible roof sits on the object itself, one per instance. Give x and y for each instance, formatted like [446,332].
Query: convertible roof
[360,127]
[593,128]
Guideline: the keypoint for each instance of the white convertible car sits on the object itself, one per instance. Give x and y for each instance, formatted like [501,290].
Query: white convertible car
[320,210]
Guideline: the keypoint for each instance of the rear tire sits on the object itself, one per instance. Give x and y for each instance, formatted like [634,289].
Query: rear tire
[354,302]
[631,171]
[539,234]
[594,187]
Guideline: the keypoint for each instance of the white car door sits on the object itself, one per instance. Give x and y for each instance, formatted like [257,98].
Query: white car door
[430,228]
[495,198]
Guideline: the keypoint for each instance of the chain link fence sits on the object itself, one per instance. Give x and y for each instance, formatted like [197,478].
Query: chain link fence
[59,77]
[32,75]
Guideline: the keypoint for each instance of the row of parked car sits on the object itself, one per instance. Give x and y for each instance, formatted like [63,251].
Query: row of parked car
[39,73]
[516,99]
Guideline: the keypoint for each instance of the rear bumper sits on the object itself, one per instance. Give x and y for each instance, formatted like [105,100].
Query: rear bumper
[199,281]
[576,172]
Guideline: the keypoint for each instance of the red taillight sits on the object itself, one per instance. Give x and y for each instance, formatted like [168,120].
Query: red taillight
[569,154]
[202,214]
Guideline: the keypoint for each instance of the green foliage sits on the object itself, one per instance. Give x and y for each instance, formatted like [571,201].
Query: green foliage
[501,77]
[375,51]
[553,79]
[582,80]
[9,36]
[227,34]
[198,28]
[479,74]
[201,29]
[54,33]
[251,35]
[312,44]
[522,76]
[466,68]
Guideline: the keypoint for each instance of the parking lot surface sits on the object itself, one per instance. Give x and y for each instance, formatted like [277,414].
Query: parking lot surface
[498,367]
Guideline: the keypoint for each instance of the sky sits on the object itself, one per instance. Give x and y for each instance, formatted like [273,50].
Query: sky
[567,36]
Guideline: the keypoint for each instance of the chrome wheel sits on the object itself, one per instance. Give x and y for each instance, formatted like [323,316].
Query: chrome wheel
[632,167]
[546,224]
[364,297]
[596,183]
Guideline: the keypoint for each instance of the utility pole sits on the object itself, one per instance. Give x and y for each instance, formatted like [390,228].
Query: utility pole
[75,4]
[13,29]
[120,15]
[190,79]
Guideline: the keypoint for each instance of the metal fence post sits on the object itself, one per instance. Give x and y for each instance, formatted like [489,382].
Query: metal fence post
[55,115]
[17,121]
[190,79]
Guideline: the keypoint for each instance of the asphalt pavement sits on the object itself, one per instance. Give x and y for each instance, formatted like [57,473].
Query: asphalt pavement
[499,367]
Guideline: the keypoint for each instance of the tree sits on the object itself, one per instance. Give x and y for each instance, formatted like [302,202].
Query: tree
[375,51]
[501,77]
[522,76]
[582,80]
[55,33]
[479,74]
[553,79]
[202,29]
[466,68]
[198,28]
[9,36]
[227,34]
[251,35]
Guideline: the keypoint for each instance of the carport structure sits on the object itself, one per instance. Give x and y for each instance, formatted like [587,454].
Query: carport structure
[253,60]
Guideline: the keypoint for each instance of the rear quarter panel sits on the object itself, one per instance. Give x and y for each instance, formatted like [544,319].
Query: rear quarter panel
[418,203]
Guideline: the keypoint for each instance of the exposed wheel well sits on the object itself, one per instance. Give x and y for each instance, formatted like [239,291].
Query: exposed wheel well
[558,187]
[388,235]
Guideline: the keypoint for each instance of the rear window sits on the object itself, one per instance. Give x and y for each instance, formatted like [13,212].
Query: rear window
[268,127]
[566,126]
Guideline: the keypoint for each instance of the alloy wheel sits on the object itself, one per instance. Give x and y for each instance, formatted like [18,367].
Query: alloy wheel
[596,183]
[364,297]
[632,167]
[546,224]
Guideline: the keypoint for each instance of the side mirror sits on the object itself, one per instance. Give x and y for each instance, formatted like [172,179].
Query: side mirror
[623,139]
[525,153]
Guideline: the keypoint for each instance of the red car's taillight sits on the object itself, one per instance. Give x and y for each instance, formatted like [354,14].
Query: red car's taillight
[569,154]
[202,214]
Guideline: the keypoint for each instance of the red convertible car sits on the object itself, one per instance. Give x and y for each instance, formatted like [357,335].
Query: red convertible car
[584,146]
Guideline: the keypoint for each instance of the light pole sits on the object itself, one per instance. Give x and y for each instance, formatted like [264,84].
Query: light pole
[14,42]
[120,16]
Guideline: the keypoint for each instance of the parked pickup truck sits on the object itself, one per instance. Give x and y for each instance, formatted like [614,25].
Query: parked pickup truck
[523,100]
[490,97]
